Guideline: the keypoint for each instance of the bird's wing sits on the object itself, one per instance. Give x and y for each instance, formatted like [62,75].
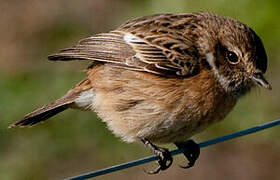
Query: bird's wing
[151,47]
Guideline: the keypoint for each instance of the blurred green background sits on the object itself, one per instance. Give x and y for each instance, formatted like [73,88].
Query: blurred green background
[75,142]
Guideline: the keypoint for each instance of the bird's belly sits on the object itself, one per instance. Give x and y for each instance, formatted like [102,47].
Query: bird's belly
[133,120]
[138,105]
[188,124]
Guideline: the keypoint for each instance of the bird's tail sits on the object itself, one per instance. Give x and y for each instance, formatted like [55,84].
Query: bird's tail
[44,112]
[53,108]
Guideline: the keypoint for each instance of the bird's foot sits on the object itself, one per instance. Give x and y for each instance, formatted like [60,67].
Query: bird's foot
[165,158]
[191,150]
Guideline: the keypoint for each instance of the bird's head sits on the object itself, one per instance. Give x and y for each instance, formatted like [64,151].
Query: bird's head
[236,55]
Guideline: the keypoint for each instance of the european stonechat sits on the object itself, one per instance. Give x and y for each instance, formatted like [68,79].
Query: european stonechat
[163,78]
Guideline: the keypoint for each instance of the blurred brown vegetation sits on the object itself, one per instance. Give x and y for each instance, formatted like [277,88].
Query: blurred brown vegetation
[76,142]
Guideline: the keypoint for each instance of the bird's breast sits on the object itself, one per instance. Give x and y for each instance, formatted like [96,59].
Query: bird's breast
[141,105]
[203,103]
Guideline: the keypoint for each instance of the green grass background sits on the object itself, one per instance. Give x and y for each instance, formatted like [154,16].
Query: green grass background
[74,142]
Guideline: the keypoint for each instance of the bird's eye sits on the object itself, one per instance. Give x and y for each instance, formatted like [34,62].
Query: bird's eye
[232,57]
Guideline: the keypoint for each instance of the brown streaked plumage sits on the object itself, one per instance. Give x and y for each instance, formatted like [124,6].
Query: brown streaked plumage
[163,78]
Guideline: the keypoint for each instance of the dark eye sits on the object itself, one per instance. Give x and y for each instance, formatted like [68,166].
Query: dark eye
[232,57]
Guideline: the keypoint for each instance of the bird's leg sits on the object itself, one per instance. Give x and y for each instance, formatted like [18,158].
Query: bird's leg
[165,158]
[191,150]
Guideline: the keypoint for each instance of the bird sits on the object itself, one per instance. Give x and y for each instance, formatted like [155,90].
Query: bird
[163,78]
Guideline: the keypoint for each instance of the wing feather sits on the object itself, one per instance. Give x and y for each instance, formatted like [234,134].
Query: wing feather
[148,50]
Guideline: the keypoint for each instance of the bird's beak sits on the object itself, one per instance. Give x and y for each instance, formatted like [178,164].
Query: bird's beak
[260,80]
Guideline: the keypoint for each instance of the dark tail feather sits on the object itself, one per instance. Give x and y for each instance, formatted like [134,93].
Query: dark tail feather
[45,112]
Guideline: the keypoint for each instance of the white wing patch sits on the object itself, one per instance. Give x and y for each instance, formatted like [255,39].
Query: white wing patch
[144,52]
[165,57]
[130,38]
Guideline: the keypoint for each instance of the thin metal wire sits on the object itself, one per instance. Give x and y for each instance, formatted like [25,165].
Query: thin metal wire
[175,152]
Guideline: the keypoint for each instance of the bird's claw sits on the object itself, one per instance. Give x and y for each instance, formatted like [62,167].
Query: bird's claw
[164,162]
[165,158]
[191,150]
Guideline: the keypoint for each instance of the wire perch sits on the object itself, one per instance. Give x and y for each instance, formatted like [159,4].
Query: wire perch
[175,152]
